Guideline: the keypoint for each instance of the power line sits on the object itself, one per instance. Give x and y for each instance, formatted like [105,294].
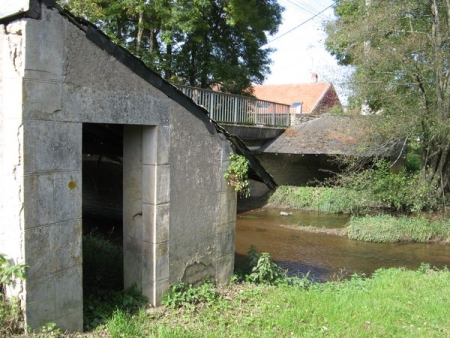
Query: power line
[304,22]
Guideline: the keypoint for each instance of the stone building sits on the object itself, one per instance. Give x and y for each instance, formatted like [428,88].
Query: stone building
[61,82]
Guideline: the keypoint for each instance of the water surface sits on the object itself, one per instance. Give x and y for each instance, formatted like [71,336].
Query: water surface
[326,256]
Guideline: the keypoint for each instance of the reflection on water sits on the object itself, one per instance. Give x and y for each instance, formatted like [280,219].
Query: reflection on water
[323,255]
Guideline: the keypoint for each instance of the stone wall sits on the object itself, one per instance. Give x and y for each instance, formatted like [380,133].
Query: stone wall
[298,170]
[179,214]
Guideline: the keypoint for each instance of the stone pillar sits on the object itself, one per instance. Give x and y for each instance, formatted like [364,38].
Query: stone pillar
[226,225]
[146,209]
[41,172]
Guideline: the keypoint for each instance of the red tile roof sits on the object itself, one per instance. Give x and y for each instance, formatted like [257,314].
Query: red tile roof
[308,93]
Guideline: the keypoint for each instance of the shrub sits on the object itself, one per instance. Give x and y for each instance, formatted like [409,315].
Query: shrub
[237,174]
[11,320]
[383,188]
[185,295]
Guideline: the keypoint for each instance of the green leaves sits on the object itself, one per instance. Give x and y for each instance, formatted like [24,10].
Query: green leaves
[237,174]
[10,272]
[202,43]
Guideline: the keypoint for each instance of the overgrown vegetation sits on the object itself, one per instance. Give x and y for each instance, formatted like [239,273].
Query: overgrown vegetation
[386,228]
[382,188]
[324,199]
[237,174]
[383,305]
[400,53]
[11,322]
[103,282]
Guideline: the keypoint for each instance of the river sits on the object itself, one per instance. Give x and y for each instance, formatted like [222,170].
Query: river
[326,256]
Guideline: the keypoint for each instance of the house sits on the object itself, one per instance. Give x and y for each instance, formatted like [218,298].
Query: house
[67,93]
[304,98]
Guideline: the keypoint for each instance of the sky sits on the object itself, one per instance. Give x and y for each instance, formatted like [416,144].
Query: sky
[300,49]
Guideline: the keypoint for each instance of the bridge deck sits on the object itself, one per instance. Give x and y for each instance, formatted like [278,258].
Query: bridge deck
[236,109]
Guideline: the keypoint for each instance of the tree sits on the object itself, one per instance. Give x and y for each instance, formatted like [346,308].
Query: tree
[401,53]
[201,43]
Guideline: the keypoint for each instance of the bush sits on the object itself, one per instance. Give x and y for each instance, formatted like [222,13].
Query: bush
[402,191]
[11,320]
[183,295]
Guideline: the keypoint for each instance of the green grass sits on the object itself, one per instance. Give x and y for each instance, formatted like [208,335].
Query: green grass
[333,200]
[385,305]
[386,228]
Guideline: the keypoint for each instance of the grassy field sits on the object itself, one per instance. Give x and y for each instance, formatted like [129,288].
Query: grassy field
[392,303]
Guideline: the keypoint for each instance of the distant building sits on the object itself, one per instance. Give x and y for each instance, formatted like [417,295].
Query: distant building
[304,98]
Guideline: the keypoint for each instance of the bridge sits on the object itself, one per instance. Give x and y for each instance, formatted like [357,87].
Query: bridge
[254,121]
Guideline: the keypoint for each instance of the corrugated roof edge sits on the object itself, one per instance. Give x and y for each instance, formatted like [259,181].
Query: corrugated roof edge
[95,35]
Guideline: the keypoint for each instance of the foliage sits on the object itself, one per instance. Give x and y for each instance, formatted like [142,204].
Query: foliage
[388,229]
[182,295]
[9,272]
[400,51]
[383,305]
[394,190]
[324,199]
[266,271]
[202,43]
[11,321]
[237,174]
[262,270]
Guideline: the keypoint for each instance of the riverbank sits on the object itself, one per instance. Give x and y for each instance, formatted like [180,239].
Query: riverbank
[368,222]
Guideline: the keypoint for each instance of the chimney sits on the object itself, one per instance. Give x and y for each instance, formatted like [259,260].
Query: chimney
[314,78]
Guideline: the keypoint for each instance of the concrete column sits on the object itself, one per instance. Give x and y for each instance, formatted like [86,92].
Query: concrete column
[52,215]
[146,209]
[226,224]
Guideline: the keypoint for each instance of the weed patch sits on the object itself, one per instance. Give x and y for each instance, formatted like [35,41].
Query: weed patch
[386,228]
[324,199]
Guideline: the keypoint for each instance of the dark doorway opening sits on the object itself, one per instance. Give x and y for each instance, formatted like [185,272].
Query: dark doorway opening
[102,216]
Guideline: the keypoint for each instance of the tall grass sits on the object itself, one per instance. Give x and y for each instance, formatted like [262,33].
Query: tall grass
[324,199]
[386,228]
[384,305]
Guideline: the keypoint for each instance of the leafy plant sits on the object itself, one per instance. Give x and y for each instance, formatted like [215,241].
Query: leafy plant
[10,272]
[10,312]
[265,271]
[185,295]
[237,174]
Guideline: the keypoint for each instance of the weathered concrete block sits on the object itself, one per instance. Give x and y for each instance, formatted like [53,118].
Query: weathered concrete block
[67,196]
[226,238]
[57,198]
[52,146]
[155,223]
[42,99]
[155,291]
[156,145]
[155,262]
[54,297]
[156,184]
[50,63]
[39,210]
[52,248]
[227,210]
[225,268]
[132,261]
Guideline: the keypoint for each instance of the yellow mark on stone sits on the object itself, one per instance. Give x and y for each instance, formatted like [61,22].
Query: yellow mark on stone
[72,185]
